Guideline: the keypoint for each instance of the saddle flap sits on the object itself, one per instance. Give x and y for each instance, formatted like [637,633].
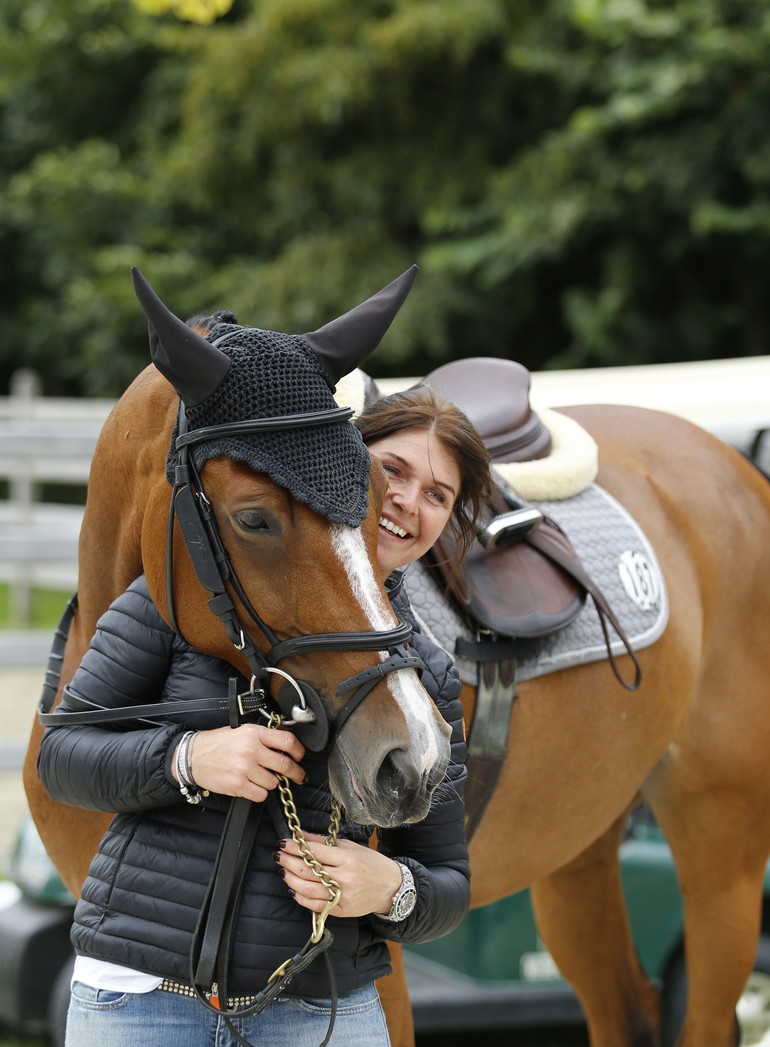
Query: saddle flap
[494,394]
[512,588]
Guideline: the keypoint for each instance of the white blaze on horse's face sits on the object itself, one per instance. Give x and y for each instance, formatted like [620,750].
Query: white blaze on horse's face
[422,767]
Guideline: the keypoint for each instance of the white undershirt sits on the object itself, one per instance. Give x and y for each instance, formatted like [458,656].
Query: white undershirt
[102,975]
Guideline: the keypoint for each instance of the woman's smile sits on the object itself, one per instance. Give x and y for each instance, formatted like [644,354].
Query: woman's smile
[394,528]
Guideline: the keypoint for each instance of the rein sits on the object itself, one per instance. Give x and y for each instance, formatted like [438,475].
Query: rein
[298,698]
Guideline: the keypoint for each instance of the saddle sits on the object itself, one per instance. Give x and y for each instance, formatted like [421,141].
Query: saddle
[494,394]
[522,579]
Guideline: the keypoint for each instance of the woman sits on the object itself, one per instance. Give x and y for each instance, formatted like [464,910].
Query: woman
[134,927]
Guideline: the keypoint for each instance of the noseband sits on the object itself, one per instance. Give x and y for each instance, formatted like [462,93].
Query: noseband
[197,523]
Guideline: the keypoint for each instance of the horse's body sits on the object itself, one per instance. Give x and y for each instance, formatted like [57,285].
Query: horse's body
[693,741]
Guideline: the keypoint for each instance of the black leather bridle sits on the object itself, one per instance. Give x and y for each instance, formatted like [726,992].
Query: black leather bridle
[298,701]
[297,698]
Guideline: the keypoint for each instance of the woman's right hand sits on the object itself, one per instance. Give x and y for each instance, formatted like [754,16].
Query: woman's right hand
[245,761]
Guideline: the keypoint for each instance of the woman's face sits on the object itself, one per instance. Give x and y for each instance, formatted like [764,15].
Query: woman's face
[423,483]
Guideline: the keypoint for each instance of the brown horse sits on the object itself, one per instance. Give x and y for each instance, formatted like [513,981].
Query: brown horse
[692,741]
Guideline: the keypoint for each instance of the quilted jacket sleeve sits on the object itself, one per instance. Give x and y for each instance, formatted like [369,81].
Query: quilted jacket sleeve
[117,768]
[435,849]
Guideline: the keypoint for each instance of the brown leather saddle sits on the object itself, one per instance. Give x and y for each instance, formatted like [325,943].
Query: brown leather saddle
[494,394]
[522,578]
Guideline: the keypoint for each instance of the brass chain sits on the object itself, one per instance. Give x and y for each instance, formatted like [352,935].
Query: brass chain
[310,860]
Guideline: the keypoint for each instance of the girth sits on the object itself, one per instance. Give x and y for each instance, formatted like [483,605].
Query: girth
[537,556]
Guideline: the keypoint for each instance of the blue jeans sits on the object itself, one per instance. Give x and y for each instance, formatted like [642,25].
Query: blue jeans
[103,1018]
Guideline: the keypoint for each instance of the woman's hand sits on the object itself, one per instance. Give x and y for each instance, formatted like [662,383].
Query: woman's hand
[245,761]
[368,879]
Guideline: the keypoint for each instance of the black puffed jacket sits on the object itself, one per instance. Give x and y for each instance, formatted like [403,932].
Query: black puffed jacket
[146,884]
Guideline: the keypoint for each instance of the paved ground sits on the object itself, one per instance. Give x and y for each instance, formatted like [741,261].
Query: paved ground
[19,695]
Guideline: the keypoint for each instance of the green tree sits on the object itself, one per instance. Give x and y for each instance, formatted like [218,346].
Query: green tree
[74,122]
[583,182]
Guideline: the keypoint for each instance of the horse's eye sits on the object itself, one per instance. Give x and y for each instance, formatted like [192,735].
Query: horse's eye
[251,520]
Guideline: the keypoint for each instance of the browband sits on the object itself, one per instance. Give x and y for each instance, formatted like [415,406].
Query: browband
[264,425]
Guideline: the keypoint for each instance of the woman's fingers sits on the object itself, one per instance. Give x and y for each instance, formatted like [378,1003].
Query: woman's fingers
[368,879]
[245,761]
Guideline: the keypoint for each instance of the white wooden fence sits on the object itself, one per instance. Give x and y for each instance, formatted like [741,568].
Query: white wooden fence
[43,439]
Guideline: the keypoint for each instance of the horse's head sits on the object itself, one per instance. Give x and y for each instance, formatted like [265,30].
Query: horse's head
[278,508]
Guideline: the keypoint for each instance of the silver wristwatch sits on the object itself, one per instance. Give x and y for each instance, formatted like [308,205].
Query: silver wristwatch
[405,898]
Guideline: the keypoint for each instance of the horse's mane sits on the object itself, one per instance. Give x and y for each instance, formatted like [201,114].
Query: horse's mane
[204,322]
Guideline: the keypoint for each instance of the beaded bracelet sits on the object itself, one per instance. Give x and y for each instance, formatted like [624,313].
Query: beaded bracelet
[187,786]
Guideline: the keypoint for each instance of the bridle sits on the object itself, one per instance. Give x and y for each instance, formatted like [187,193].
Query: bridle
[193,512]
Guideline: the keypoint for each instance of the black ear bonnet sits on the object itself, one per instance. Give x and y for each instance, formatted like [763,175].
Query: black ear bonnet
[236,374]
[272,374]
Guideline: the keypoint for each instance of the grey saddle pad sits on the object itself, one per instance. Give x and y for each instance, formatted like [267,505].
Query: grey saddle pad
[616,554]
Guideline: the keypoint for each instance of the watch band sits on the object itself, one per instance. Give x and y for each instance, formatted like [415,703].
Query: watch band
[405,898]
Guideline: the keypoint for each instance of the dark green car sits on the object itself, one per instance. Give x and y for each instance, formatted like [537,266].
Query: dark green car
[492,972]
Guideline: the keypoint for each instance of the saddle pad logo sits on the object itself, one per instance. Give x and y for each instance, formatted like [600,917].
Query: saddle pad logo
[639,579]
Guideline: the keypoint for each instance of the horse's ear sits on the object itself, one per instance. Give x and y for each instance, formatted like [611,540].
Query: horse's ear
[194,366]
[343,344]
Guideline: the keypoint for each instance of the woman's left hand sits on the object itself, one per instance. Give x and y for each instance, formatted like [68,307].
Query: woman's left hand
[368,879]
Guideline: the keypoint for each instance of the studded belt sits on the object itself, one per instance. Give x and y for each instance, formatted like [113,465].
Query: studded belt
[234,1003]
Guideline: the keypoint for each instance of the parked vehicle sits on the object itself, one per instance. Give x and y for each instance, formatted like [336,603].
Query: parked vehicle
[35,953]
[492,972]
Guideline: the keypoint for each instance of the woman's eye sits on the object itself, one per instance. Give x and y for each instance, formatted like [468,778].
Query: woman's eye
[251,520]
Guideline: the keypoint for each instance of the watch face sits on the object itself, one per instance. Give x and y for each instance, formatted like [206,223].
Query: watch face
[405,898]
[405,903]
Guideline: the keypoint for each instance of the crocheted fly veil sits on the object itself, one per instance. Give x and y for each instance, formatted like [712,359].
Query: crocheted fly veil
[239,373]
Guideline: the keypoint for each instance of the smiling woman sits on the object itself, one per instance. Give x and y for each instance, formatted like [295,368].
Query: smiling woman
[423,480]
[437,469]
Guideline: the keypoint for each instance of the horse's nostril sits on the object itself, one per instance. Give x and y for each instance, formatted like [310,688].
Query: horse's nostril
[397,777]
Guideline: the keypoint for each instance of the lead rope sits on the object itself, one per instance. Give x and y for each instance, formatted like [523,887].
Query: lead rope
[335,891]
[310,860]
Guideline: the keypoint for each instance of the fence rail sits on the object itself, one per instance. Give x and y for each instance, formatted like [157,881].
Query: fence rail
[46,439]
[42,440]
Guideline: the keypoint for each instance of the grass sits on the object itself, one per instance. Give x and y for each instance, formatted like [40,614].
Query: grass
[47,608]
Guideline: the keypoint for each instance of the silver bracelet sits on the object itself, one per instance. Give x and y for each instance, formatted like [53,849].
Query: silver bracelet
[187,786]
